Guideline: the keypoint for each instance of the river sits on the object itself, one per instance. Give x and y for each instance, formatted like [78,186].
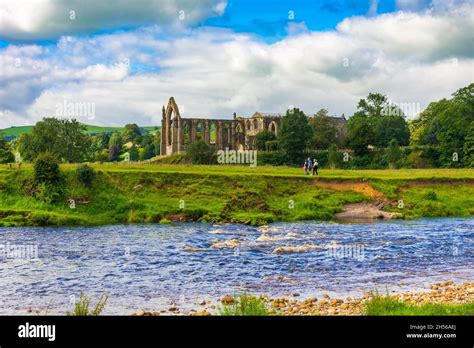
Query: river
[152,266]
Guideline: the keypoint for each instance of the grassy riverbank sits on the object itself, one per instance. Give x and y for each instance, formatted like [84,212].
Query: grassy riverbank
[154,193]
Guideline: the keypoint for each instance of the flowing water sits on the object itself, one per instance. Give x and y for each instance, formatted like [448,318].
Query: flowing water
[149,267]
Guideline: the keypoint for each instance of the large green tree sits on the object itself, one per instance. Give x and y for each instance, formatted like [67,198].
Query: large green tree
[325,132]
[66,139]
[386,120]
[447,125]
[6,155]
[295,133]
[360,134]
[132,133]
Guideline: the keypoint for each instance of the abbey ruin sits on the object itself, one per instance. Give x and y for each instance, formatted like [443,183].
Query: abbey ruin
[237,133]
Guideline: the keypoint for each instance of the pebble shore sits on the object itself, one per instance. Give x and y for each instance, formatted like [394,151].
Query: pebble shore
[445,292]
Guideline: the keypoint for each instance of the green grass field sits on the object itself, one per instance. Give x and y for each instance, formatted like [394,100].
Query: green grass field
[151,193]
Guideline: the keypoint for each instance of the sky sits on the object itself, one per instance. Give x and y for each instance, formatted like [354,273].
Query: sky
[112,62]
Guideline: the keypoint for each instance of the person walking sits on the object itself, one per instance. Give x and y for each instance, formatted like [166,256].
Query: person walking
[310,165]
[315,166]
[305,166]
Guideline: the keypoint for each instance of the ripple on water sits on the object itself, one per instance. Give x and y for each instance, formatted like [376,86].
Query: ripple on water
[140,266]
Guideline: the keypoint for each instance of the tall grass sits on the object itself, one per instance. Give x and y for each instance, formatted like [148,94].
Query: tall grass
[380,305]
[81,307]
[245,305]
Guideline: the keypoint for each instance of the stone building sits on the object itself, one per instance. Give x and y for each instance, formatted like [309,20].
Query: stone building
[237,133]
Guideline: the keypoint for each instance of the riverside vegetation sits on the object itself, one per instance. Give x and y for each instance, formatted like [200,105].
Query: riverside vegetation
[110,194]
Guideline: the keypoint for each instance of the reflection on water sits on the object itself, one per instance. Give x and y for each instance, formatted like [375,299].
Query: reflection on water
[151,266]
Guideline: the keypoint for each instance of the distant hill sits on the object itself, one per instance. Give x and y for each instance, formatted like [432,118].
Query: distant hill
[14,132]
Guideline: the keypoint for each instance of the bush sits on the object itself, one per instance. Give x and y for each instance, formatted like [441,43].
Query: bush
[85,174]
[262,138]
[49,193]
[46,169]
[200,153]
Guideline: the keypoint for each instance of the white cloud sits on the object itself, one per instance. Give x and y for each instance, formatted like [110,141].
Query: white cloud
[47,19]
[411,57]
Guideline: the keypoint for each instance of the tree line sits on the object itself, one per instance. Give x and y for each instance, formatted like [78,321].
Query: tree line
[377,135]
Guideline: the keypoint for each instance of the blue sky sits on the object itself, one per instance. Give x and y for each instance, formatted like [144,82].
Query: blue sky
[217,57]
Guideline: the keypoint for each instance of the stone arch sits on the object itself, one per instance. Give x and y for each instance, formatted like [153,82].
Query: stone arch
[172,131]
[255,124]
[273,127]
[213,132]
[186,132]
[200,129]
[239,136]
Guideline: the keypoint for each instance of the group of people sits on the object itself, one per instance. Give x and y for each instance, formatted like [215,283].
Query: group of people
[311,166]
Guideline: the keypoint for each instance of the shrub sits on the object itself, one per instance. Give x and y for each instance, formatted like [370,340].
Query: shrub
[46,169]
[431,195]
[245,305]
[200,153]
[81,307]
[49,193]
[262,138]
[85,174]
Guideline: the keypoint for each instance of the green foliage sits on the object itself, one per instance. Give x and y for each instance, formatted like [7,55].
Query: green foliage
[384,121]
[379,305]
[6,155]
[116,140]
[200,153]
[262,139]
[448,125]
[81,307]
[295,133]
[431,195]
[46,169]
[393,153]
[132,133]
[333,156]
[85,174]
[360,134]
[133,152]
[245,305]
[64,138]
[114,153]
[325,131]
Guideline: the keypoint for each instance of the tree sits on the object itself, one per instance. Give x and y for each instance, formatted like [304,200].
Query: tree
[333,156]
[393,153]
[360,134]
[446,125]
[262,138]
[295,133]
[114,153]
[392,127]
[200,153]
[46,169]
[6,155]
[386,119]
[116,140]
[66,139]
[132,133]
[325,131]
[133,152]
